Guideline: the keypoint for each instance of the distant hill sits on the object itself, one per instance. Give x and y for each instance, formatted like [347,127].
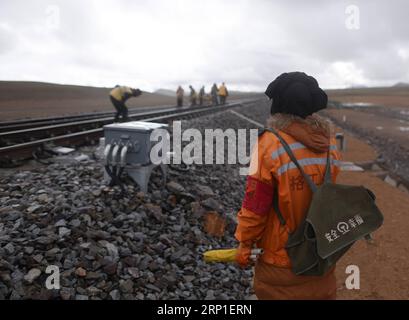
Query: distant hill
[20,99]
[401,85]
[166,92]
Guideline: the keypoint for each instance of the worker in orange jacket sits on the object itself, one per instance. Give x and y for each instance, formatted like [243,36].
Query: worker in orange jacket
[296,97]
[223,93]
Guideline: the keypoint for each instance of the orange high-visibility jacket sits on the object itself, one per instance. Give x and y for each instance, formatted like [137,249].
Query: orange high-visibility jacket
[257,221]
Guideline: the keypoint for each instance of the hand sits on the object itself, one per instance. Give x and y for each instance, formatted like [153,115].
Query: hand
[243,255]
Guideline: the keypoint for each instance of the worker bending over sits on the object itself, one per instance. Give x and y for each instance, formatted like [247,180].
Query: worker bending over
[118,96]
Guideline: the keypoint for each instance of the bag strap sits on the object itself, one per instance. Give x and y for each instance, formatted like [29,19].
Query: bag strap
[328,176]
[287,148]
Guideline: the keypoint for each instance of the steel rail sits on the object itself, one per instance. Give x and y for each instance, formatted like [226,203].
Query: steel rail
[25,150]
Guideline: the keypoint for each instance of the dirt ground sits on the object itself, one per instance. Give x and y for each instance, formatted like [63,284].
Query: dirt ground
[396,129]
[389,97]
[22,100]
[384,263]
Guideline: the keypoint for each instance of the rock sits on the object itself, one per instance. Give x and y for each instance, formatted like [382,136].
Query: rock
[153,287]
[85,245]
[62,232]
[151,296]
[68,264]
[112,250]
[43,198]
[9,247]
[156,211]
[93,291]
[204,191]
[175,187]
[81,272]
[93,275]
[170,280]
[131,261]
[81,157]
[66,293]
[110,268]
[75,223]
[34,208]
[52,252]
[60,223]
[115,295]
[197,210]
[189,278]
[140,296]
[126,286]
[391,181]
[212,204]
[29,250]
[38,258]
[376,167]
[210,295]
[81,297]
[134,272]
[5,210]
[32,275]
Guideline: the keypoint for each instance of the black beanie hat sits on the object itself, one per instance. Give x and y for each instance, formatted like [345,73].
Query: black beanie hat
[296,93]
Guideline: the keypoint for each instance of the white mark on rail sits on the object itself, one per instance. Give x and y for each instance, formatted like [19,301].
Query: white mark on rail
[247,119]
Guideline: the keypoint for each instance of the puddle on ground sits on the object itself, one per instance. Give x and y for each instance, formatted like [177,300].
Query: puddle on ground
[357,105]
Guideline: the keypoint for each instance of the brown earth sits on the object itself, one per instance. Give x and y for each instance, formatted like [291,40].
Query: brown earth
[383,263]
[376,124]
[389,97]
[19,100]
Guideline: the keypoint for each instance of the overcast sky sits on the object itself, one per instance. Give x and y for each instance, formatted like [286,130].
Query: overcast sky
[163,43]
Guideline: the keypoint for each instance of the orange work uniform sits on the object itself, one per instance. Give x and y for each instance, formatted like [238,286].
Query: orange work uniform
[258,223]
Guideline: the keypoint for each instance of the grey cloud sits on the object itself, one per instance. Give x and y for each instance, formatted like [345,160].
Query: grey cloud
[245,43]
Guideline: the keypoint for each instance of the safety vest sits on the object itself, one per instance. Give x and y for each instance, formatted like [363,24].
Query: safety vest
[118,93]
[222,91]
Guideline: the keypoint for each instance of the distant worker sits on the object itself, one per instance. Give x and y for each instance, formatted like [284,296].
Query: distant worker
[179,96]
[118,96]
[223,93]
[277,197]
[201,95]
[214,92]
[193,96]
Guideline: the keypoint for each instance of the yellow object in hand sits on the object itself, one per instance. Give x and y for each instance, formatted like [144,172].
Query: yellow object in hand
[224,255]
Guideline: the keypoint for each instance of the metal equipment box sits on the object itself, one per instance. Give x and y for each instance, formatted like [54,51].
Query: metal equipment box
[136,136]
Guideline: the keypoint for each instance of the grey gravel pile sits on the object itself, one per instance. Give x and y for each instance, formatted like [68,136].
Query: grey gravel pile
[139,246]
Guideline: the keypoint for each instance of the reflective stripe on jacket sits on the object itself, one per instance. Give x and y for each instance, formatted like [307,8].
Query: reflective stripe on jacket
[257,220]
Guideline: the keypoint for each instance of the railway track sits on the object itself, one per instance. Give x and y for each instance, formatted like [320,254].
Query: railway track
[20,145]
[15,125]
